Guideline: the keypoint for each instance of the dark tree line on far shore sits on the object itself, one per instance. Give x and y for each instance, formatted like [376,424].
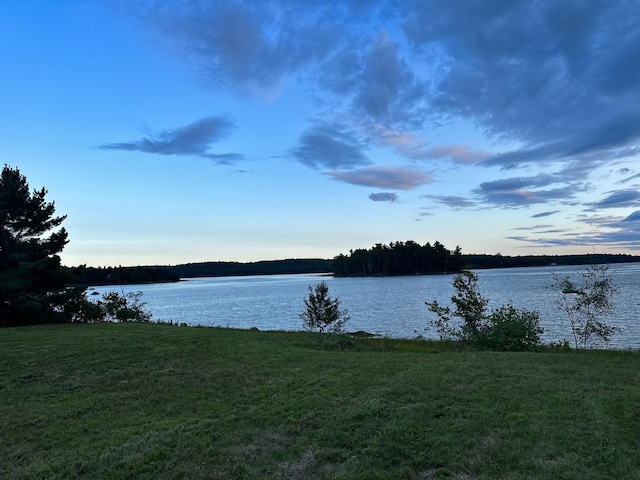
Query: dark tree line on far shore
[399,258]
[266,267]
[476,261]
[84,275]
[410,258]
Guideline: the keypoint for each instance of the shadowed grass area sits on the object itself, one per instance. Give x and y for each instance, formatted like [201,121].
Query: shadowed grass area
[154,401]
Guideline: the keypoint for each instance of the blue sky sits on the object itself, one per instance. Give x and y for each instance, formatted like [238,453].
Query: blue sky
[173,132]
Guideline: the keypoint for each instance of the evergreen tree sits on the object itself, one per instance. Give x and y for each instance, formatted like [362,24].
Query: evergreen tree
[32,282]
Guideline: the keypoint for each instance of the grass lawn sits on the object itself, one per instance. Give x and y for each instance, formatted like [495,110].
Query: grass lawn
[155,401]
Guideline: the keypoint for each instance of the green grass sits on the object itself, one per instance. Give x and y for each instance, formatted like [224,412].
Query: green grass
[151,401]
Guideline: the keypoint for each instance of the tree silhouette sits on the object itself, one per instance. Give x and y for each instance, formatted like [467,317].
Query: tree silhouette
[32,282]
[399,258]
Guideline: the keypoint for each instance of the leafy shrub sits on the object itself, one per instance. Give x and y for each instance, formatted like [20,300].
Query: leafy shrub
[82,310]
[504,328]
[125,307]
[510,329]
[112,307]
[322,313]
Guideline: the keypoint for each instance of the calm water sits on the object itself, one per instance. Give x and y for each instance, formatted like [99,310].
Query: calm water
[391,306]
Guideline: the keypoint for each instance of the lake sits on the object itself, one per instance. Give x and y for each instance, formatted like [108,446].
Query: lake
[389,306]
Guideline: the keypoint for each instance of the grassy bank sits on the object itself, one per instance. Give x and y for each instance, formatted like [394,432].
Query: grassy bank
[152,401]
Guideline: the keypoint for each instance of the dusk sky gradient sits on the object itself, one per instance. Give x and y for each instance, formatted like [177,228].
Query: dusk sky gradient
[182,131]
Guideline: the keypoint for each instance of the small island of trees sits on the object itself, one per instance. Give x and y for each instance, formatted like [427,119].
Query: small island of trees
[399,258]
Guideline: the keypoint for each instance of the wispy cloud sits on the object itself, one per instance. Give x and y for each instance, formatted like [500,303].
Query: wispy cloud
[543,230]
[396,178]
[387,89]
[383,197]
[632,220]
[246,47]
[528,57]
[624,232]
[325,146]
[620,198]
[416,148]
[552,86]
[569,240]
[628,179]
[616,232]
[545,214]
[409,63]
[524,191]
[451,201]
[461,154]
[408,145]
[194,139]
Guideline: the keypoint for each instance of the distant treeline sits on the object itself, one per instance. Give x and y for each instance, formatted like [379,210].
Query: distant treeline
[399,258]
[503,261]
[410,258]
[267,267]
[84,275]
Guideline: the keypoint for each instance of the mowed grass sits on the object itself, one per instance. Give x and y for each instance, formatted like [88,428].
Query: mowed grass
[153,401]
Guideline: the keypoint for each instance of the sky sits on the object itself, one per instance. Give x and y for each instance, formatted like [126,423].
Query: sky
[172,132]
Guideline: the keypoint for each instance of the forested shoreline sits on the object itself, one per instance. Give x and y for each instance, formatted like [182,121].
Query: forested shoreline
[265,267]
[86,276]
[479,261]
[397,258]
